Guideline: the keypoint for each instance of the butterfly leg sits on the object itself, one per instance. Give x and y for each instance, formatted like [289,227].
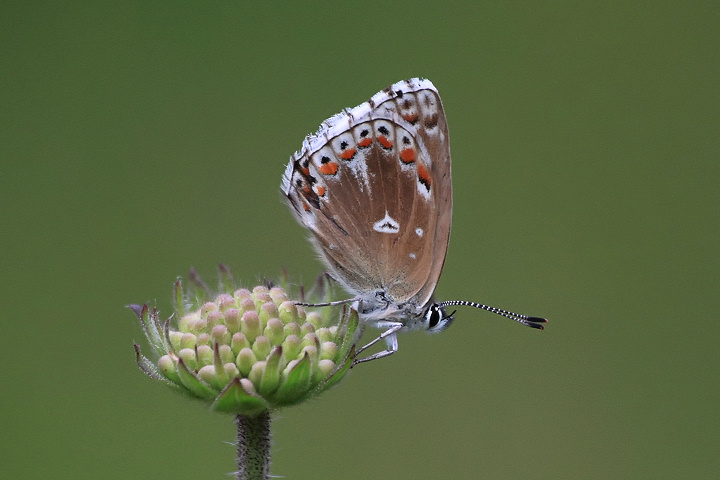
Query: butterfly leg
[390,337]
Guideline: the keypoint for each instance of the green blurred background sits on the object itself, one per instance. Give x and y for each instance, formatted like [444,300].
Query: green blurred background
[142,139]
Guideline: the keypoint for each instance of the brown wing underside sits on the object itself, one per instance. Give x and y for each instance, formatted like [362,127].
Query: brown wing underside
[378,200]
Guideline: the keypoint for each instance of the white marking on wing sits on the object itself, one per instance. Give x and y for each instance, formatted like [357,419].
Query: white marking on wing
[386,225]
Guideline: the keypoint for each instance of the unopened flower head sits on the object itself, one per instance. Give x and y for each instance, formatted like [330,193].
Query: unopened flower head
[247,351]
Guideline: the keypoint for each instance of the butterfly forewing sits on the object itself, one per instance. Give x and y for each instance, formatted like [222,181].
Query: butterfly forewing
[373,187]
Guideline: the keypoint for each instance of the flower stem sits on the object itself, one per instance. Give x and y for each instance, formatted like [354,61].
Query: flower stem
[253,447]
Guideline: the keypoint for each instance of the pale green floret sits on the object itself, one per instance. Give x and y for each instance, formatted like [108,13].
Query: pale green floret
[245,360]
[267,311]
[188,356]
[207,308]
[328,351]
[175,338]
[315,319]
[307,328]
[167,367]
[214,318]
[225,301]
[231,370]
[287,312]
[261,347]
[291,347]
[312,352]
[186,319]
[199,326]
[256,372]
[204,355]
[226,354]
[292,328]
[310,340]
[239,342]
[250,326]
[261,299]
[274,331]
[260,289]
[187,323]
[247,385]
[260,296]
[326,366]
[220,334]
[246,305]
[278,295]
[232,320]
[324,334]
[207,374]
[188,340]
[242,294]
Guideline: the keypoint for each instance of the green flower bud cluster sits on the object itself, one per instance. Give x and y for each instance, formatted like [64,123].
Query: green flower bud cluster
[248,352]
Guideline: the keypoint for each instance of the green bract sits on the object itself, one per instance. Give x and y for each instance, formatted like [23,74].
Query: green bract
[247,352]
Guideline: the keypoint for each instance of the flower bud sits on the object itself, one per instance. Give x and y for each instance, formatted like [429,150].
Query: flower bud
[246,351]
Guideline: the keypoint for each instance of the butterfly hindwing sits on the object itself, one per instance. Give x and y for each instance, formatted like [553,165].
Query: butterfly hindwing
[373,187]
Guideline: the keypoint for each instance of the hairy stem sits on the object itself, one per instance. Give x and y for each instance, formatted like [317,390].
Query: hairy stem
[253,447]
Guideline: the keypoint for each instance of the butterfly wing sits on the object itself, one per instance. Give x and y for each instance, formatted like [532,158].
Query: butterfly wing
[373,186]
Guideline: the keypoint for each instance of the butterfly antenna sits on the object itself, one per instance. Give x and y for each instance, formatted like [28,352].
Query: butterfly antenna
[534,322]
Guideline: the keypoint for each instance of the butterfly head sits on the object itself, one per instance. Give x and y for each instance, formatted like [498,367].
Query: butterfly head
[435,320]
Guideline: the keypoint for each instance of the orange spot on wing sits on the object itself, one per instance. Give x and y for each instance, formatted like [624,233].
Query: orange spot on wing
[329,168]
[411,117]
[305,170]
[407,155]
[424,175]
[384,141]
[348,154]
[320,190]
[365,142]
[306,206]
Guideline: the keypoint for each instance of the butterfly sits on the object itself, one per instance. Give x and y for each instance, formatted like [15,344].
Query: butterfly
[374,189]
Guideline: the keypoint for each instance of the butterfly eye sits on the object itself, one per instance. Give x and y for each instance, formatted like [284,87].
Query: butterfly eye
[435,319]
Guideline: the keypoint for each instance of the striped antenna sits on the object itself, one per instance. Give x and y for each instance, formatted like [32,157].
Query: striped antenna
[534,322]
